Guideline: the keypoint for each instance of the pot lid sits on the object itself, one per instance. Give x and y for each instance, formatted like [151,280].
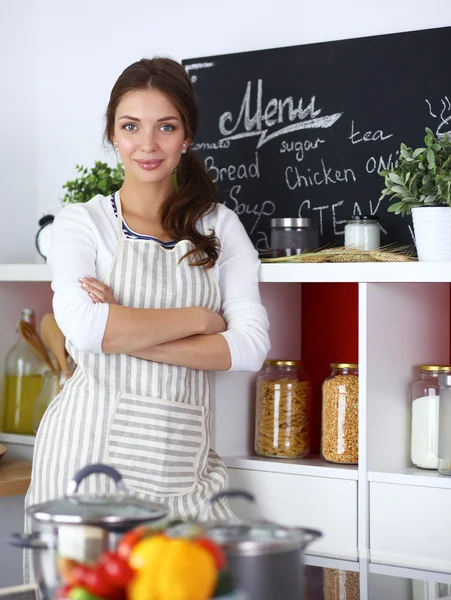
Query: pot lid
[257,538]
[254,538]
[118,510]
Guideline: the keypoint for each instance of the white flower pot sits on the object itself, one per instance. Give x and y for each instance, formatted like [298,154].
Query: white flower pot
[432,227]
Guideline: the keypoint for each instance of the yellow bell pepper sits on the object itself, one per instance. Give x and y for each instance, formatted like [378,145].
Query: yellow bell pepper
[145,560]
[172,569]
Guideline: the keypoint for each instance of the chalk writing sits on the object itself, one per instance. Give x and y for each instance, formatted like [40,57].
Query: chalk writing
[369,136]
[294,178]
[444,116]
[232,172]
[221,145]
[300,147]
[265,208]
[375,164]
[276,112]
[337,213]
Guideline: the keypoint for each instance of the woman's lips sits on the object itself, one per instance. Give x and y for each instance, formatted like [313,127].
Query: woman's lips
[149,165]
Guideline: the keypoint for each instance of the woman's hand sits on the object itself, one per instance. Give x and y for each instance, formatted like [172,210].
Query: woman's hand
[98,291]
[213,323]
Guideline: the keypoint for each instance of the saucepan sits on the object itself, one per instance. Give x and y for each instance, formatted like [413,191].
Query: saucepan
[81,527]
[265,559]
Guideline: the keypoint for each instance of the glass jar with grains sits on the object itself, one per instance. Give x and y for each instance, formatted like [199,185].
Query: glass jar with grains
[340,415]
[282,423]
[341,585]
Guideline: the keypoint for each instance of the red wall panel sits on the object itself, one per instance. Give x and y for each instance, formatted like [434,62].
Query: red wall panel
[329,334]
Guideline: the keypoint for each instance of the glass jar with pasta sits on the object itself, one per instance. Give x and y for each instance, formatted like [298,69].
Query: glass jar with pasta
[282,424]
[340,415]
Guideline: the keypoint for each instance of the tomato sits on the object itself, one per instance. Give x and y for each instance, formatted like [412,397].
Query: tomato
[129,540]
[94,581]
[116,569]
[215,550]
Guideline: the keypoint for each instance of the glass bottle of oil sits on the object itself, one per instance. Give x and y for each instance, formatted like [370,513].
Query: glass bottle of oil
[21,385]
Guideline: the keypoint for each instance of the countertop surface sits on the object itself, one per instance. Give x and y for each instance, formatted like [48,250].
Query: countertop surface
[373,582]
[15,475]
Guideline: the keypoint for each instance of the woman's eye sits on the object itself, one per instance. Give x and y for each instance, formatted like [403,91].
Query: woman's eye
[167,127]
[129,127]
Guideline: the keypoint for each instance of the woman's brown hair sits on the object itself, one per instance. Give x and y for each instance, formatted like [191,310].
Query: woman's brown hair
[196,194]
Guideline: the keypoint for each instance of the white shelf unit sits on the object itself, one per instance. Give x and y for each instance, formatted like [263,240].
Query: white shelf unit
[410,272]
[382,508]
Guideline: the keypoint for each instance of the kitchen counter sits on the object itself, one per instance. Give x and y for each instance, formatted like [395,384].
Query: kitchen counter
[15,476]
[330,579]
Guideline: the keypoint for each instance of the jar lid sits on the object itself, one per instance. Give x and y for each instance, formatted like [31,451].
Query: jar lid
[283,363]
[435,367]
[344,365]
[362,218]
[117,511]
[301,222]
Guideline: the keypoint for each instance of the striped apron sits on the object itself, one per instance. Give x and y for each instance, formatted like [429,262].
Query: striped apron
[150,421]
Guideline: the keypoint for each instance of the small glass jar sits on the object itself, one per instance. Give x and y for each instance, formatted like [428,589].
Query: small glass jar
[444,426]
[425,416]
[363,232]
[293,236]
[340,415]
[283,407]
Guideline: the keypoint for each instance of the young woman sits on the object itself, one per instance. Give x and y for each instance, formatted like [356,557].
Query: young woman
[154,287]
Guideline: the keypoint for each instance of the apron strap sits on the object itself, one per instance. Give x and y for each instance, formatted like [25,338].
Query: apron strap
[117,202]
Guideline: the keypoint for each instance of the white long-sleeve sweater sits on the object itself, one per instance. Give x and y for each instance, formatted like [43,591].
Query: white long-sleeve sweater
[83,243]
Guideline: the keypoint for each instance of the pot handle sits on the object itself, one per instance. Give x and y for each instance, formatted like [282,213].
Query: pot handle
[31,541]
[93,469]
[232,494]
[310,535]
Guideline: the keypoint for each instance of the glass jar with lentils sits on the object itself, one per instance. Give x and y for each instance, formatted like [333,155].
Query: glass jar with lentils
[340,415]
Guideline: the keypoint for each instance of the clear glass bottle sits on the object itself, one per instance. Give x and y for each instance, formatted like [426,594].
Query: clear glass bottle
[340,414]
[53,382]
[283,408]
[444,425]
[21,384]
[425,416]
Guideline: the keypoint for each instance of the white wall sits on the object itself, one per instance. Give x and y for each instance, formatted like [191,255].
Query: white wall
[75,51]
[17,132]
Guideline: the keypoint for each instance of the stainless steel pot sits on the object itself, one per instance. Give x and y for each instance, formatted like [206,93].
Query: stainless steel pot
[82,526]
[266,559]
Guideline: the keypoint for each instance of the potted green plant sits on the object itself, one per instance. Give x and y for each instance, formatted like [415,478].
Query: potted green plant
[421,183]
[100,179]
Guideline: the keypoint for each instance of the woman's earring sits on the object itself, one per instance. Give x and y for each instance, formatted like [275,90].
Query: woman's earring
[115,146]
[184,148]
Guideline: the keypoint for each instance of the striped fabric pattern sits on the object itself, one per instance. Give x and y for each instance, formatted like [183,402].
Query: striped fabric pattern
[132,235]
[151,421]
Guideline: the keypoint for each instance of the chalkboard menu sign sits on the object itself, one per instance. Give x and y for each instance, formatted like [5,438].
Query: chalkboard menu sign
[304,130]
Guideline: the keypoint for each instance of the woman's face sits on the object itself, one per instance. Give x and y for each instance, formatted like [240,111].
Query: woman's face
[149,135]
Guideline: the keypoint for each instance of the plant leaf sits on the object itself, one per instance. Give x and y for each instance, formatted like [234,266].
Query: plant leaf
[396,178]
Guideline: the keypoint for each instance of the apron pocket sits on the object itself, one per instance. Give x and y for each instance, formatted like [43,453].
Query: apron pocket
[157,445]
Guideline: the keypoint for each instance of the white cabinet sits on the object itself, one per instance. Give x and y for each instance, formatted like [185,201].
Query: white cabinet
[383,510]
[410,525]
[327,504]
